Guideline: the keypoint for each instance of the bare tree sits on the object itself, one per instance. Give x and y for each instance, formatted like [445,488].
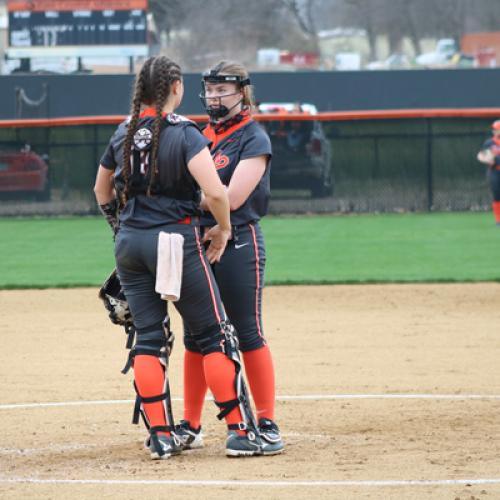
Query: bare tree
[168,15]
[303,11]
[452,18]
[197,33]
[363,14]
[226,29]
[412,23]
[483,15]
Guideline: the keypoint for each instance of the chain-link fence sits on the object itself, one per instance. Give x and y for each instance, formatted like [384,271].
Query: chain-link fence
[319,165]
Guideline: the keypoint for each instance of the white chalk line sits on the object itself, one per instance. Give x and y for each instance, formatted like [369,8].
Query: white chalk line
[238,483]
[74,447]
[46,449]
[299,397]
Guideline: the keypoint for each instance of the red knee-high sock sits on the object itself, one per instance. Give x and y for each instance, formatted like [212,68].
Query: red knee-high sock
[195,387]
[260,373]
[219,374]
[496,211]
[150,379]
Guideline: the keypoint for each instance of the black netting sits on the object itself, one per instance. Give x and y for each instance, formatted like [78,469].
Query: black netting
[388,165]
[328,166]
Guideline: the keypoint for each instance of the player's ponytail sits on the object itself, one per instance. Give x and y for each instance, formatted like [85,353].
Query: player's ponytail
[152,86]
[135,109]
[165,72]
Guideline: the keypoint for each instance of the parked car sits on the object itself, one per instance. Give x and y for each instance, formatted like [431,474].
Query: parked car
[394,61]
[24,173]
[301,151]
[446,48]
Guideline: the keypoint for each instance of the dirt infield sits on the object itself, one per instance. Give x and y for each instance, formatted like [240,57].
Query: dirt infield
[376,383]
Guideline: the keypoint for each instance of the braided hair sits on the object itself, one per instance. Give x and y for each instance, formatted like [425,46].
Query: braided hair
[152,87]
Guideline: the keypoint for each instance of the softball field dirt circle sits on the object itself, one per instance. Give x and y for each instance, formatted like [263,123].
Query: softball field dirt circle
[385,391]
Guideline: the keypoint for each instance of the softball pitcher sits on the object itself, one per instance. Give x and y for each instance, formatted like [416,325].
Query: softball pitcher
[154,164]
[242,153]
[490,155]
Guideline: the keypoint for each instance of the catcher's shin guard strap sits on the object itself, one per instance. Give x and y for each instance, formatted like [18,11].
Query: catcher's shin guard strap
[130,331]
[241,426]
[154,399]
[136,351]
[252,435]
[140,400]
[159,428]
[151,341]
[206,342]
[227,407]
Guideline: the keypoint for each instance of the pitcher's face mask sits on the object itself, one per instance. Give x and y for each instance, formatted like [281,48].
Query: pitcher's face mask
[214,101]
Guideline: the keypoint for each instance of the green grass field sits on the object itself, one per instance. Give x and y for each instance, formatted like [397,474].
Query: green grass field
[65,252]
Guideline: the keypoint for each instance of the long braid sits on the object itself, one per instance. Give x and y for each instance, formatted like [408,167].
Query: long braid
[140,95]
[165,72]
[152,86]
[162,84]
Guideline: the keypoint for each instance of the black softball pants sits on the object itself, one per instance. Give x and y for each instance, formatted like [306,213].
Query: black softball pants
[199,304]
[240,277]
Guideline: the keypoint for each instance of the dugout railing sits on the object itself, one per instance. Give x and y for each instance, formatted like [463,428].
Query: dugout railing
[386,161]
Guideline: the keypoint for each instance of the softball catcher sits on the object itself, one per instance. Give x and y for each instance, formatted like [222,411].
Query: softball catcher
[154,165]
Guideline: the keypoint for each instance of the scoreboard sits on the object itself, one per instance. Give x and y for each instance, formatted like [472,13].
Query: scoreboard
[76,23]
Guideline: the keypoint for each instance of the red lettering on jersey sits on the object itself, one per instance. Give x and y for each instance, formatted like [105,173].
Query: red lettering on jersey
[220,160]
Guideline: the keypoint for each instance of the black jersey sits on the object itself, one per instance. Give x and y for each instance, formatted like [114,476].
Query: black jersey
[246,139]
[175,194]
[494,146]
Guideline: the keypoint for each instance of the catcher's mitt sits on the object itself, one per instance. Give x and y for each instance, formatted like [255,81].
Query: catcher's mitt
[111,293]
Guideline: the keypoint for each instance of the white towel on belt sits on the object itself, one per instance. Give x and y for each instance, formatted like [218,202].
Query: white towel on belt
[169,265]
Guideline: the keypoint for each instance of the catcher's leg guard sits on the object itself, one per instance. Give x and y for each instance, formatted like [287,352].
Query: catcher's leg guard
[251,443]
[152,342]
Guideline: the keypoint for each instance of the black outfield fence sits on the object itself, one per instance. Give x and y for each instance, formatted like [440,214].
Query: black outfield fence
[331,162]
[56,96]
